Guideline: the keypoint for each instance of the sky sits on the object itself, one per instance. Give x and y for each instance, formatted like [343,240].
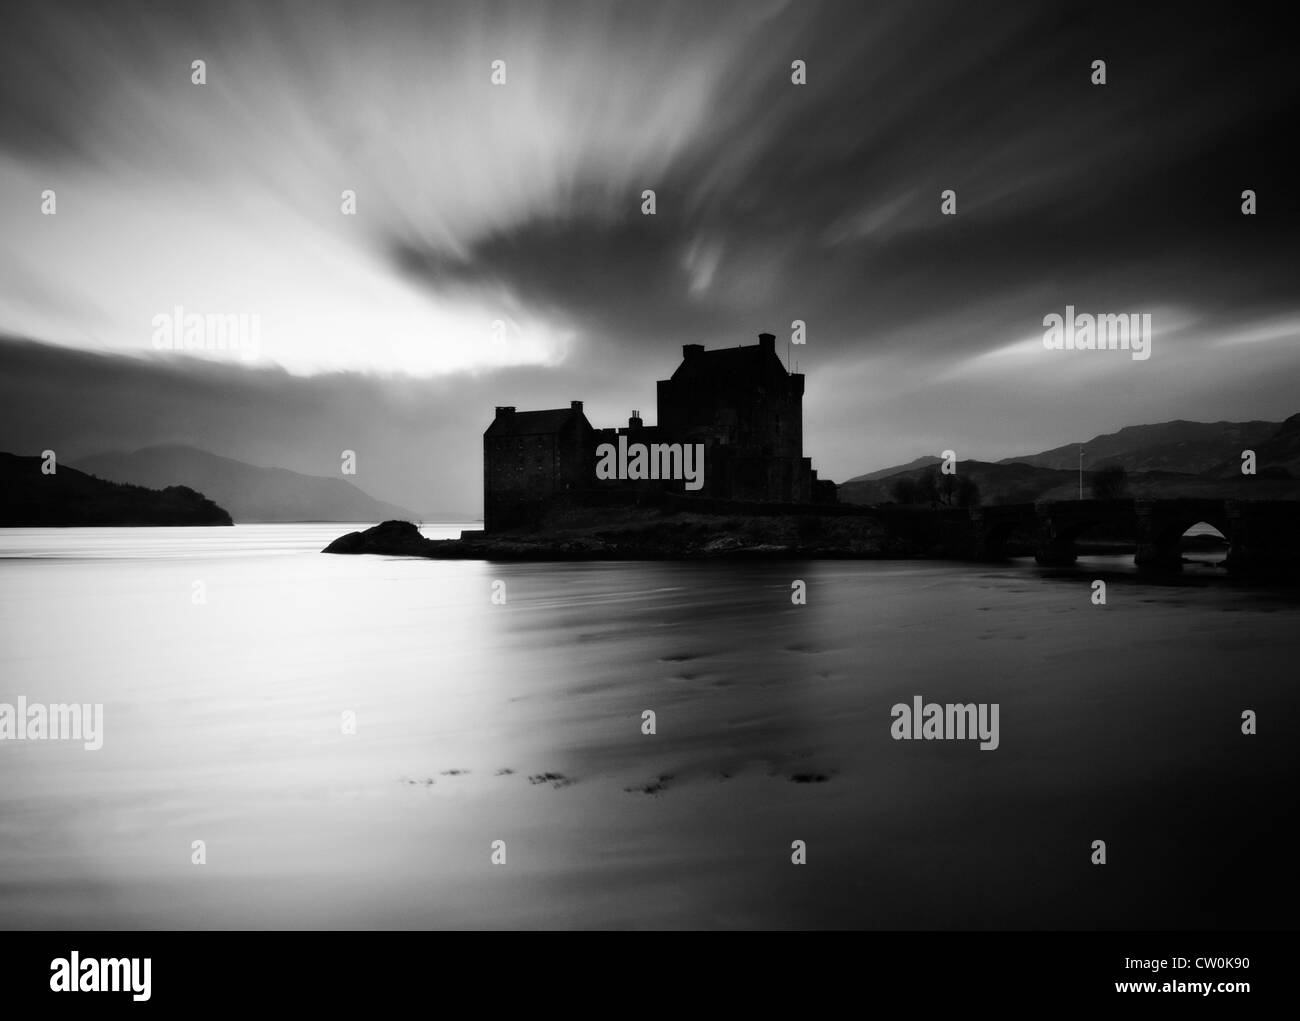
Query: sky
[499,252]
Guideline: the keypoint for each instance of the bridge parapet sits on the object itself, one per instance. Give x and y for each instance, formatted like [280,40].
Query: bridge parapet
[1162,523]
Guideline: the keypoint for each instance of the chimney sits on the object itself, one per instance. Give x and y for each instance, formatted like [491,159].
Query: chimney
[767,341]
[635,421]
[691,350]
[504,412]
[575,405]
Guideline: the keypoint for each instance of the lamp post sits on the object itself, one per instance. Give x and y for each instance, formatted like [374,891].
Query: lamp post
[1080,471]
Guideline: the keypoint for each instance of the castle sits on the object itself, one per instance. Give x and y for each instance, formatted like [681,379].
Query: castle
[740,407]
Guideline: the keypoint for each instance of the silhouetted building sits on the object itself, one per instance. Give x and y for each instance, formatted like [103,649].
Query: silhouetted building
[748,411]
[531,458]
[740,404]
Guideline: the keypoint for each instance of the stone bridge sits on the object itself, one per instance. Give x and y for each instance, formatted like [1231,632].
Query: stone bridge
[1263,535]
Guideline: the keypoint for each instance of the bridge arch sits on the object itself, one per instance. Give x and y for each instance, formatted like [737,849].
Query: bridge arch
[1263,536]
[1072,532]
[1164,522]
[1062,524]
[1172,529]
[996,536]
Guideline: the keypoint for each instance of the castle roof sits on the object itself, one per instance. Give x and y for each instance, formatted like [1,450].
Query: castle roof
[535,423]
[731,368]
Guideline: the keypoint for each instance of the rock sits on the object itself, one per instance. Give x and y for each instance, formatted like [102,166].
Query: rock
[350,543]
[395,538]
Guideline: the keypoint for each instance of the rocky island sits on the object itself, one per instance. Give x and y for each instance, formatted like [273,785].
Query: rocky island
[723,473]
[645,536]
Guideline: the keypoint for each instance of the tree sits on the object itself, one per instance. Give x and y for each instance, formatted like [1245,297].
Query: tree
[968,492]
[948,490]
[904,490]
[927,486]
[1110,482]
[956,491]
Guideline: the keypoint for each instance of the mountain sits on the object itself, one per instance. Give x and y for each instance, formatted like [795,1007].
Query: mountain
[1018,482]
[998,483]
[883,473]
[69,498]
[249,492]
[1275,455]
[1168,459]
[1190,447]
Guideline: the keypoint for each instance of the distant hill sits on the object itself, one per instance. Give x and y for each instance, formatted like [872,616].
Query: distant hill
[1166,460]
[1189,447]
[882,473]
[1273,456]
[1022,483]
[251,493]
[69,498]
[998,483]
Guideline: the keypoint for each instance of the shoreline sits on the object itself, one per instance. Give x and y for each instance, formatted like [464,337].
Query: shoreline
[681,540]
[685,537]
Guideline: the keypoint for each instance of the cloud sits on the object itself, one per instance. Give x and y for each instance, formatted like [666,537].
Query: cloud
[520,204]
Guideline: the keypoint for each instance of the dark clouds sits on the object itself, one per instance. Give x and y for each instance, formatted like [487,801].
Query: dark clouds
[828,195]
[418,441]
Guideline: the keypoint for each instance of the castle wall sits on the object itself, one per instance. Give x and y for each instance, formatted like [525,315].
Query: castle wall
[740,403]
[523,475]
